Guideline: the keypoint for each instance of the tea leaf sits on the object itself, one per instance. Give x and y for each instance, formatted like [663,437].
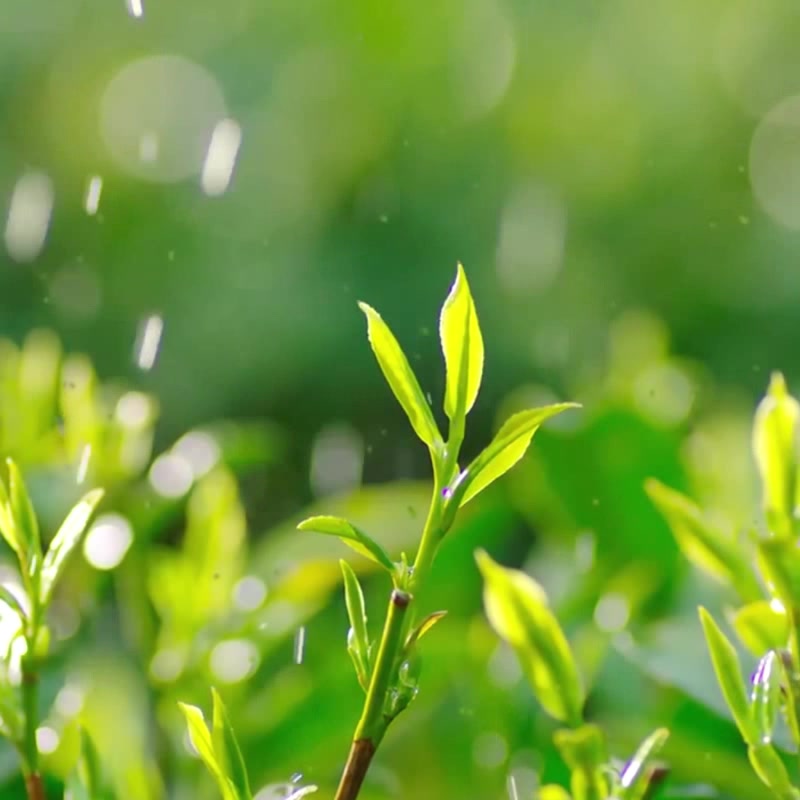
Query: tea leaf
[584,751]
[351,536]
[227,748]
[635,778]
[775,449]
[65,541]
[765,696]
[462,345]
[768,766]
[729,676]
[25,522]
[779,562]
[358,638]
[518,611]
[552,791]
[84,782]
[705,546]
[507,447]
[424,626]
[761,626]
[203,743]
[401,378]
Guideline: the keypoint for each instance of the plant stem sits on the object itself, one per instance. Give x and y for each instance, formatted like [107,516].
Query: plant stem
[30,702]
[373,723]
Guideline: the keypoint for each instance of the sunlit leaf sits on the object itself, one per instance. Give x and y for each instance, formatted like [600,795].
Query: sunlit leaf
[779,562]
[351,536]
[761,626]
[423,627]
[584,751]
[65,541]
[358,636]
[775,448]
[226,748]
[27,526]
[462,345]
[729,675]
[518,611]
[765,695]
[401,378]
[505,450]
[84,782]
[11,599]
[553,791]
[705,546]
[635,777]
[203,743]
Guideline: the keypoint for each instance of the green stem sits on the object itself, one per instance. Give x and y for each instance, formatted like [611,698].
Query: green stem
[374,722]
[30,703]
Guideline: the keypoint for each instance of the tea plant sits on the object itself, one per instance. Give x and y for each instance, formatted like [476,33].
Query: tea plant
[25,636]
[763,568]
[388,668]
[518,610]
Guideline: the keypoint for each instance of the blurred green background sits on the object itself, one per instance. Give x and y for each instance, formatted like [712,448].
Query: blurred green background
[197,194]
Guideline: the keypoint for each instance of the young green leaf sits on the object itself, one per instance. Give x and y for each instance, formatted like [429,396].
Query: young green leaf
[729,675]
[351,536]
[358,644]
[761,626]
[779,562]
[227,750]
[204,745]
[65,541]
[502,453]
[462,345]
[584,751]
[422,628]
[518,611]
[705,546]
[10,598]
[401,378]
[8,526]
[775,447]
[25,522]
[635,778]
[768,766]
[765,696]
[552,791]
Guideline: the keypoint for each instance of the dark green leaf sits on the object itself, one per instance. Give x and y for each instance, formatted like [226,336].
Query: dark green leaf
[462,345]
[518,611]
[351,536]
[401,378]
[705,546]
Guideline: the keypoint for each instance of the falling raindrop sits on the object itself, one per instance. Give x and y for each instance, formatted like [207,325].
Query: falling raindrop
[135,8]
[299,644]
[29,216]
[83,464]
[148,341]
[93,191]
[221,157]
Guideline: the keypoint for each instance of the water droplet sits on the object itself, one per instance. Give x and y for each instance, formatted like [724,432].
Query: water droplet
[249,593]
[47,739]
[234,660]
[29,216]
[107,541]
[299,644]
[93,191]
[148,341]
[135,8]
[83,464]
